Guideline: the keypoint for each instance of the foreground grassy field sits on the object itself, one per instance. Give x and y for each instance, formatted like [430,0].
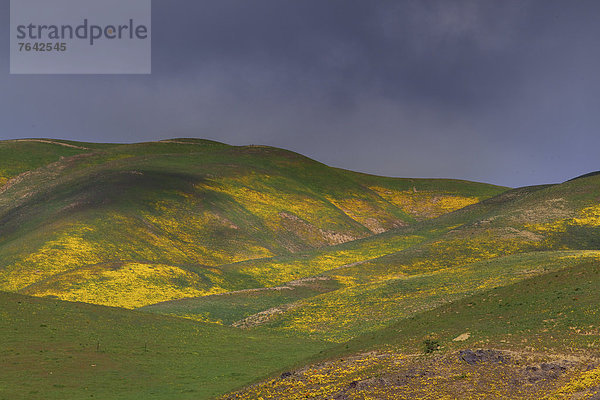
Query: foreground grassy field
[52,349]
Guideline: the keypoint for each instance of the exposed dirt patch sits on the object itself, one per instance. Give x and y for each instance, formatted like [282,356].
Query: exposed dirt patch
[462,337]
[267,315]
[548,210]
[314,236]
[307,281]
[482,356]
[17,179]
[264,316]
[53,142]
[512,233]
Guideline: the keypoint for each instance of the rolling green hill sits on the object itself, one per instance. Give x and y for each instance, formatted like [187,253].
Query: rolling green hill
[383,287]
[132,225]
[534,339]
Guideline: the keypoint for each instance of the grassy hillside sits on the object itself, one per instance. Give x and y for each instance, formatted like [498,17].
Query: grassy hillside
[25,155]
[380,284]
[538,338]
[373,275]
[495,307]
[131,225]
[425,199]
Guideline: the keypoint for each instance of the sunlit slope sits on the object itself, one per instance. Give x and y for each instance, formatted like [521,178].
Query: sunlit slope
[279,280]
[550,309]
[354,255]
[534,339]
[367,307]
[425,199]
[131,225]
[554,218]
[339,267]
[434,262]
[338,310]
[58,350]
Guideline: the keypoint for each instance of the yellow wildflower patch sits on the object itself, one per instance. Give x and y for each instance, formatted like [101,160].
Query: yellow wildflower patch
[129,285]
[320,381]
[70,250]
[579,386]
[184,233]
[588,217]
[258,195]
[425,205]
[275,272]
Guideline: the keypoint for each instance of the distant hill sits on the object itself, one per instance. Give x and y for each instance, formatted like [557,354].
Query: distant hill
[586,175]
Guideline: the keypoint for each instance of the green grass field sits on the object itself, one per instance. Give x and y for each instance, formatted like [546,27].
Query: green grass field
[60,350]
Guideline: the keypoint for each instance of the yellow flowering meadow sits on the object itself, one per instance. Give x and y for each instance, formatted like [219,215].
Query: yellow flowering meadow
[128,285]
[579,387]
[425,205]
[70,250]
[588,217]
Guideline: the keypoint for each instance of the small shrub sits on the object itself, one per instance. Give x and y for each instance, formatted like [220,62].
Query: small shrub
[431,345]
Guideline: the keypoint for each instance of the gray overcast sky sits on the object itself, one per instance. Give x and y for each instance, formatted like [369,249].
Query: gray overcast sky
[506,92]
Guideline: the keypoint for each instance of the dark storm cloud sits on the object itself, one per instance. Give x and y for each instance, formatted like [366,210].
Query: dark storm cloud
[499,91]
